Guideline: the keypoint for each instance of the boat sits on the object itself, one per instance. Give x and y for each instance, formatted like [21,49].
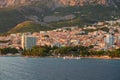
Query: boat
[68,57]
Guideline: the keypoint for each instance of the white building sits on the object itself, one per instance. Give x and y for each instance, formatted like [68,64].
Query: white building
[109,40]
[28,41]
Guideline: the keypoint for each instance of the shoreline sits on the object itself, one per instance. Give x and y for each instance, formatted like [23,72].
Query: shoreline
[95,57]
[102,57]
[89,57]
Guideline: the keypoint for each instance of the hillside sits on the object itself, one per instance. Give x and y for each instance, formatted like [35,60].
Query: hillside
[86,15]
[57,3]
[8,18]
[28,26]
[85,12]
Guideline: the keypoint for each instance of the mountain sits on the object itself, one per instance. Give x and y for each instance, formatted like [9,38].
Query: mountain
[57,3]
[56,13]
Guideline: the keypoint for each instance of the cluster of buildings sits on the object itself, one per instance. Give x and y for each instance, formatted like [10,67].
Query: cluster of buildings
[102,36]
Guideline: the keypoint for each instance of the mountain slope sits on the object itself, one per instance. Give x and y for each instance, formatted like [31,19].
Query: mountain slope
[55,3]
[86,11]
[8,18]
[28,26]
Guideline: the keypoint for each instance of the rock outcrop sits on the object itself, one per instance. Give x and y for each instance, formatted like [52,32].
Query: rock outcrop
[57,3]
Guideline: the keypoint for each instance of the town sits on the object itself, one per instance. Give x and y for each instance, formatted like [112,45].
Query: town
[103,35]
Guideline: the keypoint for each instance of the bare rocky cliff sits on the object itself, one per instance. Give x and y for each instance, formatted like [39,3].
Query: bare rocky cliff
[8,3]
[57,3]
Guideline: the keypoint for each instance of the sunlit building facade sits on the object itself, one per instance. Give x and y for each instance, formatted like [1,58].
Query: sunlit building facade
[28,41]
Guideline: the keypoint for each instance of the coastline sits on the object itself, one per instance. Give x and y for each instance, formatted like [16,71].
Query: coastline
[69,57]
[102,57]
[89,57]
[11,55]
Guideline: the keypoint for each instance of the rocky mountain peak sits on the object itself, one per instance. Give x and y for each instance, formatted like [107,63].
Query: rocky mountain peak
[57,3]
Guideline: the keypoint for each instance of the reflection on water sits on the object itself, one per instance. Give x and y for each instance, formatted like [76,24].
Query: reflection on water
[20,68]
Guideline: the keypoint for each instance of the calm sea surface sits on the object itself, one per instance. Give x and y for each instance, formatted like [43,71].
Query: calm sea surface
[20,68]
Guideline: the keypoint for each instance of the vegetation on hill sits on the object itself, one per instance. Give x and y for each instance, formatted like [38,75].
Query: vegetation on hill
[86,15]
[8,18]
[28,26]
